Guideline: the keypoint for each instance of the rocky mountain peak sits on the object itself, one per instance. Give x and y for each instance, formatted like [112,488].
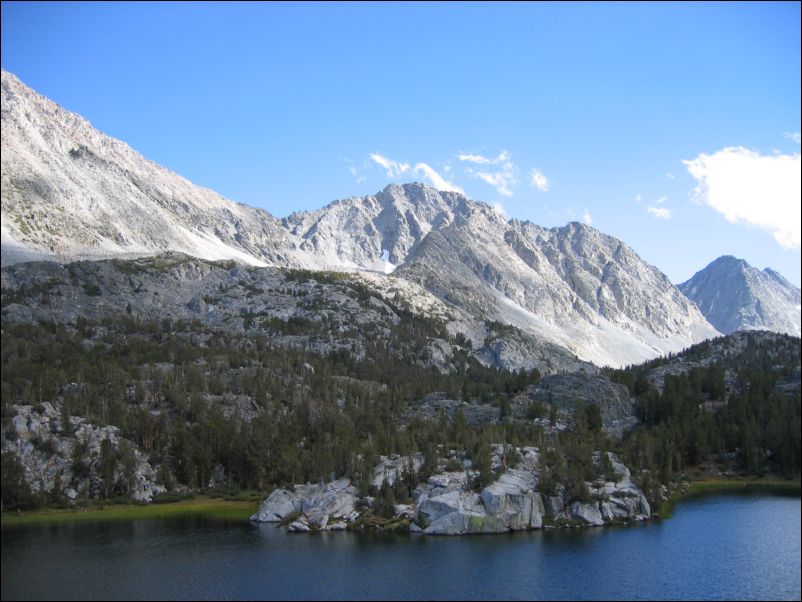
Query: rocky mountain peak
[71,192]
[729,262]
[733,295]
[377,232]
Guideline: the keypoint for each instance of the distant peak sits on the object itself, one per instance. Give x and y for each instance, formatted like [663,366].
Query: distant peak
[408,187]
[575,226]
[420,195]
[729,260]
[733,296]
[412,190]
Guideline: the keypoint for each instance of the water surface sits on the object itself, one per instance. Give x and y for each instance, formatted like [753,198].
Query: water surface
[733,547]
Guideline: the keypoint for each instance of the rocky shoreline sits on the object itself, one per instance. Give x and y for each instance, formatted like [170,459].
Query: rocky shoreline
[447,504]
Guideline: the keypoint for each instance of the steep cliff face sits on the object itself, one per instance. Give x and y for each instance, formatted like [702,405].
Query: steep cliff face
[733,295]
[70,192]
[572,286]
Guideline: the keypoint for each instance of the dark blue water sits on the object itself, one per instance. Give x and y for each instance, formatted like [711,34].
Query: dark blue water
[736,547]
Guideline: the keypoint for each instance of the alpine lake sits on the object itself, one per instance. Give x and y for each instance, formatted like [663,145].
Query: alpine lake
[714,547]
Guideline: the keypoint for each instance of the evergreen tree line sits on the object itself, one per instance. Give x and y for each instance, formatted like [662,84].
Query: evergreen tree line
[196,399]
[177,390]
[735,408]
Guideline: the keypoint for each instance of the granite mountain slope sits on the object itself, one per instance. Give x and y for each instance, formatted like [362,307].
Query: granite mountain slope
[733,295]
[70,192]
[324,312]
[575,286]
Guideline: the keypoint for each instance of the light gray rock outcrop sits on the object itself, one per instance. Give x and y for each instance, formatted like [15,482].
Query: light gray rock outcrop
[317,504]
[391,468]
[299,526]
[446,504]
[588,513]
[279,505]
[624,500]
[513,501]
[48,451]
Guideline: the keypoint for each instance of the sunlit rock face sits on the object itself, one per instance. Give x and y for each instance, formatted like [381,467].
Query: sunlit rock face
[70,192]
[733,296]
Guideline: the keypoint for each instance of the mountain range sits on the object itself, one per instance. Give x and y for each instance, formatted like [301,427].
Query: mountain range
[71,192]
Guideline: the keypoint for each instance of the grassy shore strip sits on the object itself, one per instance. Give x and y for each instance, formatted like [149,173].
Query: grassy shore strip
[718,485]
[200,506]
[744,485]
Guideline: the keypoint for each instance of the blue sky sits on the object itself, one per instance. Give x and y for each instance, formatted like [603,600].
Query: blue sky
[672,126]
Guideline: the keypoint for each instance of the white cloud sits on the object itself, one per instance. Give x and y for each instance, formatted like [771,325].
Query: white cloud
[394,168]
[659,212]
[586,217]
[538,180]
[503,180]
[481,160]
[795,136]
[436,179]
[745,186]
[670,176]
[656,207]
[355,172]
